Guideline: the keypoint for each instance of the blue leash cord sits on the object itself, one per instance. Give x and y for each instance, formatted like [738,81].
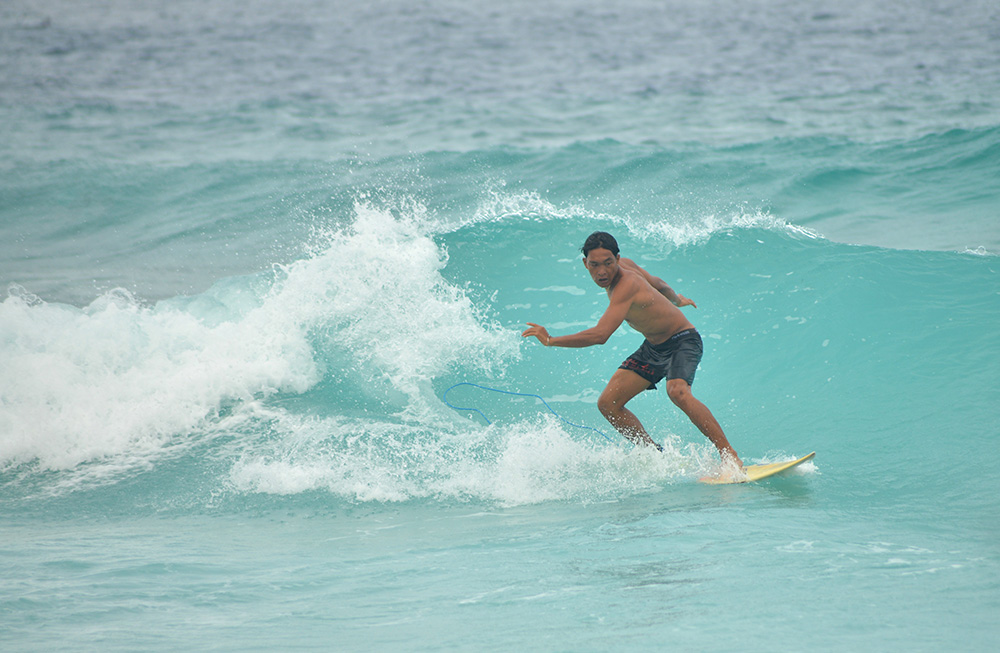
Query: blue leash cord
[516,394]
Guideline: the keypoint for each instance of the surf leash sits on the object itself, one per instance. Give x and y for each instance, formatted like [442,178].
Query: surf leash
[444,398]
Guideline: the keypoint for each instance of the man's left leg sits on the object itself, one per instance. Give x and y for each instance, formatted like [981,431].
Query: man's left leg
[680,393]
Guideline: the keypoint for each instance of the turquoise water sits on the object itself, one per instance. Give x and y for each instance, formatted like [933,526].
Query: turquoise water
[247,249]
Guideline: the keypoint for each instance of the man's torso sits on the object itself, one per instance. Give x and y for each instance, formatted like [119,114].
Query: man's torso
[650,313]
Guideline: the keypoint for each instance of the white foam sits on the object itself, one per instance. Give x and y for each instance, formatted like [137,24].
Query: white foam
[119,378]
[121,382]
[668,230]
[525,462]
[378,285]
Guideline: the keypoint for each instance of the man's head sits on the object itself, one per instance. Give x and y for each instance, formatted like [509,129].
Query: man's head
[600,239]
[600,256]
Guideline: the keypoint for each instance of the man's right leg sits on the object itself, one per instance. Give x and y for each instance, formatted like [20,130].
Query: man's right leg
[623,386]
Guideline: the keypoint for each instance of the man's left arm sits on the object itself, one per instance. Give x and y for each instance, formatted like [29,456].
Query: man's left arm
[658,284]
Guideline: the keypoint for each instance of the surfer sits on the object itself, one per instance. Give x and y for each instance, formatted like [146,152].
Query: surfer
[672,349]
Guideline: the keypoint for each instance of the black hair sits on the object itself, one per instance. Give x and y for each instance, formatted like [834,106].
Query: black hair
[600,239]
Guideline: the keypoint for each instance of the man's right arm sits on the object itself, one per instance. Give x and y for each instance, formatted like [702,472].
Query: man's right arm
[620,301]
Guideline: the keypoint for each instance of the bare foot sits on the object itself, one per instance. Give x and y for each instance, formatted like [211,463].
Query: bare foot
[729,471]
[733,471]
[731,459]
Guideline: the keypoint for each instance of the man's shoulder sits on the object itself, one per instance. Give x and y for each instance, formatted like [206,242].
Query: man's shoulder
[632,270]
[628,284]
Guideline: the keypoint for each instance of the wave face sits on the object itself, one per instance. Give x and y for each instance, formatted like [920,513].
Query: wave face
[328,373]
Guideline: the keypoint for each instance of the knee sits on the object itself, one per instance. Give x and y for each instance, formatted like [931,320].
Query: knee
[607,405]
[679,391]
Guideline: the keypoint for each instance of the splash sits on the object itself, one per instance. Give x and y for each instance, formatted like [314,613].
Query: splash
[119,379]
[118,384]
[377,291]
[663,229]
[525,461]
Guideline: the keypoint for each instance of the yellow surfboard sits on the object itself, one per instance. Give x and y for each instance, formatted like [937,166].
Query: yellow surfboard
[757,472]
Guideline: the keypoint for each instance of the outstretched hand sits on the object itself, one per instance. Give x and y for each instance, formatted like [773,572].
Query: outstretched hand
[684,301]
[539,332]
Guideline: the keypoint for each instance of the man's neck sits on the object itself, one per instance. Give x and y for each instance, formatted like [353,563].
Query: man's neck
[615,280]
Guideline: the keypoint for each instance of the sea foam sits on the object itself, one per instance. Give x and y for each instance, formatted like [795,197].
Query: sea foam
[123,380]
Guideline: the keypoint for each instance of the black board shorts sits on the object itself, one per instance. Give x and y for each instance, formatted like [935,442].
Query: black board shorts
[677,357]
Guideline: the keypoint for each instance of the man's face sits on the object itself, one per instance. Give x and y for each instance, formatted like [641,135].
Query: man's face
[602,265]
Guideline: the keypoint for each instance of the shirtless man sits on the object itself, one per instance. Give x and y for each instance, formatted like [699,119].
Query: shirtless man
[672,348]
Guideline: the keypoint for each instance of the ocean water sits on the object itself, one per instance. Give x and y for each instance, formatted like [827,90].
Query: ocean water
[254,254]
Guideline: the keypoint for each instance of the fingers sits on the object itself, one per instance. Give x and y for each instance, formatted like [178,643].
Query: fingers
[536,330]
